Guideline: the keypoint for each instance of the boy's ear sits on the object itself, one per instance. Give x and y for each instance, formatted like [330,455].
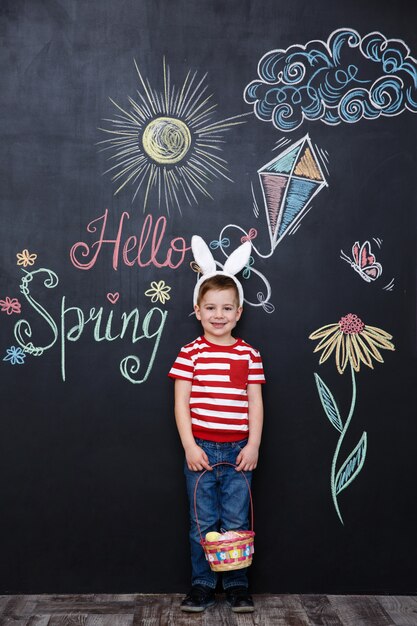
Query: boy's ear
[197,311]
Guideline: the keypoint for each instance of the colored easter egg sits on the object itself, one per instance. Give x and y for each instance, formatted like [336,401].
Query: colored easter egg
[213,536]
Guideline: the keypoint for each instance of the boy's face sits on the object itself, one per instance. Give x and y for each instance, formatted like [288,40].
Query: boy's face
[218,313]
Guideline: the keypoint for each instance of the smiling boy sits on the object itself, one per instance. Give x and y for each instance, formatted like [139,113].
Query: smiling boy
[219,416]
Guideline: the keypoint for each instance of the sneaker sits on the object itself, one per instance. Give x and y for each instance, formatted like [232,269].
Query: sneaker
[199,598]
[239,600]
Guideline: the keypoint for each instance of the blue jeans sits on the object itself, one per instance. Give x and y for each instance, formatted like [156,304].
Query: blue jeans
[222,503]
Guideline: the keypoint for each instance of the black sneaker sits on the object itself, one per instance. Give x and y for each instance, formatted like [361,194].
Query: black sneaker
[239,600]
[199,598]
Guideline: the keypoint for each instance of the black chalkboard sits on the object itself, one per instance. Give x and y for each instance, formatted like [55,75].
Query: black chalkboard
[127,127]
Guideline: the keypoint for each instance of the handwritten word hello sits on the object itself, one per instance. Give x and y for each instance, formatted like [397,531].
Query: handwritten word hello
[102,325]
[143,250]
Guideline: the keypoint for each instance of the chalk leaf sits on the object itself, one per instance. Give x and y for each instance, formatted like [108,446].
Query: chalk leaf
[329,403]
[352,466]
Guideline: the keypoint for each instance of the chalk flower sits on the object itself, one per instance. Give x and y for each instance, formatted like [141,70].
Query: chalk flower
[159,291]
[25,258]
[353,342]
[15,355]
[10,305]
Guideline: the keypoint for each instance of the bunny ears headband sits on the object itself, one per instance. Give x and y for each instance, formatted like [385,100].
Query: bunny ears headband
[204,258]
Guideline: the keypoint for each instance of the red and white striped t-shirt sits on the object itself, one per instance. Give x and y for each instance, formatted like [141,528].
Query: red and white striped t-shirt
[220,376]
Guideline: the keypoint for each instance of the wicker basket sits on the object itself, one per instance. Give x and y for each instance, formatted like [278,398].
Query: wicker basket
[230,554]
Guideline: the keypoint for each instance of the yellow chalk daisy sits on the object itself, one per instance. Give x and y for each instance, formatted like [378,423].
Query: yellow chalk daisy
[353,342]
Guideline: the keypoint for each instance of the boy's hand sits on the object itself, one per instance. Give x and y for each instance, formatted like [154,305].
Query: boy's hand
[247,459]
[197,459]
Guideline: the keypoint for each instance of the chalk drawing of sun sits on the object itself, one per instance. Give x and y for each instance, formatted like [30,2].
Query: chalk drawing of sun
[168,143]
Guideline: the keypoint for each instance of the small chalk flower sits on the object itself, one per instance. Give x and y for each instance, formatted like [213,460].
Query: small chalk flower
[25,258]
[10,305]
[15,355]
[159,291]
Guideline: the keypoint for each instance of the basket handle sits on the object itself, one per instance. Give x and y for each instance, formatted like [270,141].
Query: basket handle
[195,494]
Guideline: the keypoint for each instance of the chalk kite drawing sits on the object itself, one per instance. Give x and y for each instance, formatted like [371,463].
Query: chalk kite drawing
[353,342]
[363,261]
[168,142]
[289,182]
[346,79]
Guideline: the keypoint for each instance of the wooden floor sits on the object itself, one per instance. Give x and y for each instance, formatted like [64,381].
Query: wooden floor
[163,610]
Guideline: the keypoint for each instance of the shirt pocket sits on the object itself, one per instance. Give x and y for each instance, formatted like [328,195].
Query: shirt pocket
[239,374]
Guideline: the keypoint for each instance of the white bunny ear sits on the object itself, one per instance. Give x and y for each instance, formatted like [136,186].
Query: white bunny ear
[238,259]
[202,255]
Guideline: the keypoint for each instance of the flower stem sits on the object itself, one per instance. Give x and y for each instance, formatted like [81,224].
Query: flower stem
[339,444]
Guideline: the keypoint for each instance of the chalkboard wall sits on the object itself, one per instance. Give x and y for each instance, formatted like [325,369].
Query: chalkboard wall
[127,127]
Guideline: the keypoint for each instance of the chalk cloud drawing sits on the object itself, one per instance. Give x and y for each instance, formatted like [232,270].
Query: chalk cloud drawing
[346,79]
[353,342]
[168,142]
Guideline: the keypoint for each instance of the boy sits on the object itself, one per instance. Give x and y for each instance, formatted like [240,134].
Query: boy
[219,416]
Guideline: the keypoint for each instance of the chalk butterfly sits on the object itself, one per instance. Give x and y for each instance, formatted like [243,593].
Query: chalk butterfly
[363,261]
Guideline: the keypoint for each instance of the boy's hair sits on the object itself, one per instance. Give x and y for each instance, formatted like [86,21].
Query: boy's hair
[219,282]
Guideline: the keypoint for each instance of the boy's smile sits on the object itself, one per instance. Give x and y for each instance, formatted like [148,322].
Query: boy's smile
[218,313]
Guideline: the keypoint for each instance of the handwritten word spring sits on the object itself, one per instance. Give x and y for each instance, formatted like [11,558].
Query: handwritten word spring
[142,251]
[102,325]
